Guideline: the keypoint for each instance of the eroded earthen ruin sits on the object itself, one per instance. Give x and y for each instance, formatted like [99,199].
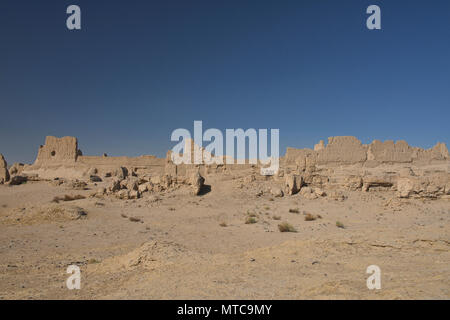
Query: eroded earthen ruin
[342,164]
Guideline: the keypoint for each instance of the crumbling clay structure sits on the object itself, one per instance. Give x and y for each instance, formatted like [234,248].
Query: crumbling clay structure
[343,164]
[350,151]
[58,150]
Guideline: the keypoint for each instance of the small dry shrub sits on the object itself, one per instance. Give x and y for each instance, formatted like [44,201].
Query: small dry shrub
[286,227]
[250,220]
[251,214]
[93,261]
[68,197]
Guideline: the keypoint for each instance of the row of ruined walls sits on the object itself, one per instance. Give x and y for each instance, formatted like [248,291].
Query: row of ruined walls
[344,150]
[349,150]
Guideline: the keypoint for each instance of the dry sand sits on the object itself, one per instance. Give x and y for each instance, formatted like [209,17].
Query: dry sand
[180,246]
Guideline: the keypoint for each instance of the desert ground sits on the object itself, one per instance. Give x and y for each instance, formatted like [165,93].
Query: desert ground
[221,238]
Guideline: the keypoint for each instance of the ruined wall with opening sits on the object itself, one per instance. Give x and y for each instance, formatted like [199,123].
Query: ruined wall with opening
[58,151]
[60,157]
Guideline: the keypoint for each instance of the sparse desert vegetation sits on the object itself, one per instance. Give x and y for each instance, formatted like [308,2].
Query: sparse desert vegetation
[251,220]
[312,217]
[340,225]
[251,214]
[68,197]
[286,227]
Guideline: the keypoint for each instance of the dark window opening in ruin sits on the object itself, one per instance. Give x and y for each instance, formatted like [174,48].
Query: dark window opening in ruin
[53,153]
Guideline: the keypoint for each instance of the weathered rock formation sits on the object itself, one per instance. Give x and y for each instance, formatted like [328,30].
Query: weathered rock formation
[4,174]
[16,169]
[197,182]
[344,164]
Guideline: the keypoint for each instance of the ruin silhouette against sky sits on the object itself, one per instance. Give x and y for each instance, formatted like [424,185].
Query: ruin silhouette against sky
[140,69]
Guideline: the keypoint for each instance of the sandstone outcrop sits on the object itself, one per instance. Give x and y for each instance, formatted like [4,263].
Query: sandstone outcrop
[4,174]
[293,183]
[277,192]
[197,182]
[405,187]
[16,169]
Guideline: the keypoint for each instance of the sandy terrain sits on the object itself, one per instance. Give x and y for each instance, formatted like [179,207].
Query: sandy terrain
[180,246]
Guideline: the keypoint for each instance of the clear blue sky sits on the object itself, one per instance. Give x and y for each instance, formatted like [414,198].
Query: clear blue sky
[140,69]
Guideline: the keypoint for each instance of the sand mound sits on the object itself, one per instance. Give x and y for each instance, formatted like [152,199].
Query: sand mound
[150,255]
[43,214]
[153,251]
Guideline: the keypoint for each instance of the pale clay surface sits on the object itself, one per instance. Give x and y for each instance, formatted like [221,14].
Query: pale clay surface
[144,228]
